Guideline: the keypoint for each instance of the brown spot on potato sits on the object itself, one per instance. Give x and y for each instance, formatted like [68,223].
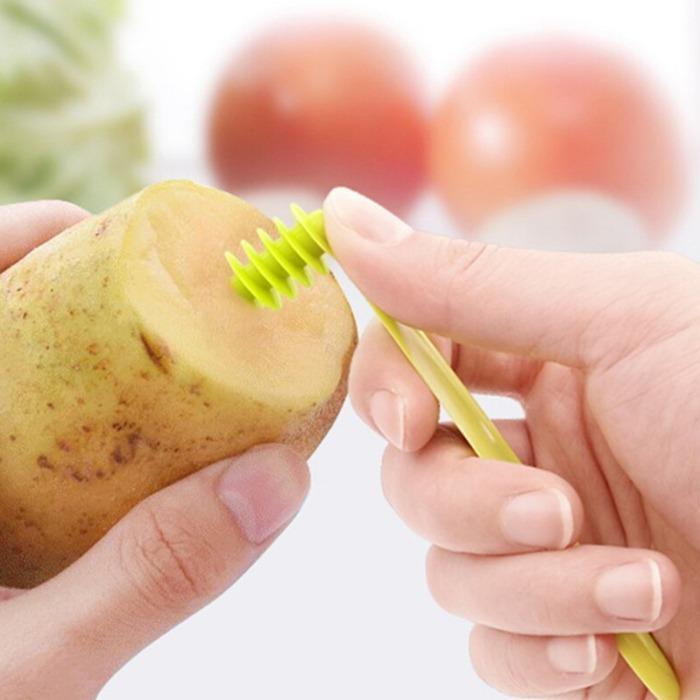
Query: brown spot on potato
[50,405]
[93,348]
[102,227]
[63,445]
[76,475]
[125,452]
[44,463]
[158,353]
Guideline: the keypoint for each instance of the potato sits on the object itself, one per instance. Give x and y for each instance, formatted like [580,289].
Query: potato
[128,362]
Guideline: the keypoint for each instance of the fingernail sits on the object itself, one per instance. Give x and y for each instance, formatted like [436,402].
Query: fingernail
[573,654]
[538,519]
[388,412]
[263,490]
[631,591]
[365,217]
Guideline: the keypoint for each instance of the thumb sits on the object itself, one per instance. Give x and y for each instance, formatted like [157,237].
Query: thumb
[27,224]
[171,555]
[554,306]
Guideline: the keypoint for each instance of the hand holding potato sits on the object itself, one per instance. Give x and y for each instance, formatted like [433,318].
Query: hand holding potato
[128,362]
[170,555]
[602,352]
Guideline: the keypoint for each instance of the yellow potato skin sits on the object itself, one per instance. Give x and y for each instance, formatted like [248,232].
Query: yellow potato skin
[96,412]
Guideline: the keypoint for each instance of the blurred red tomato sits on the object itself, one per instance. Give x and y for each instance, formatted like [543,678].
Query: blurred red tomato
[551,115]
[321,104]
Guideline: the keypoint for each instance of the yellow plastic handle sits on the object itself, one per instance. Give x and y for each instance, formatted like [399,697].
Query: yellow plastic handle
[640,651]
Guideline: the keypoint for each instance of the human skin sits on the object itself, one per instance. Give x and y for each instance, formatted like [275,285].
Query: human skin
[602,353]
[168,557]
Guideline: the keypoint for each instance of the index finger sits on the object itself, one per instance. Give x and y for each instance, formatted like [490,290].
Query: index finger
[575,309]
[26,225]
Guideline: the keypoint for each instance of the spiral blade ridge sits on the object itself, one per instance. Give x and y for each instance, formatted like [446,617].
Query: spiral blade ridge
[264,277]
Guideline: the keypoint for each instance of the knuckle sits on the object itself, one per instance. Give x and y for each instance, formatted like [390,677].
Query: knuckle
[541,612]
[545,614]
[441,584]
[441,503]
[433,575]
[514,673]
[497,660]
[170,563]
[483,653]
[458,263]
[442,511]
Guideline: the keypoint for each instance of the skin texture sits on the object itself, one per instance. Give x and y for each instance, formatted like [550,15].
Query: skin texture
[128,364]
[170,556]
[538,116]
[601,351]
[314,104]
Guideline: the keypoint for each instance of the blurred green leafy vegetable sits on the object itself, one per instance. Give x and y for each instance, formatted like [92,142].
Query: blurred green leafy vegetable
[71,126]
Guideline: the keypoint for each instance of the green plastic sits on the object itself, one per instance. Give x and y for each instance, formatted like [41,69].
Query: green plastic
[268,276]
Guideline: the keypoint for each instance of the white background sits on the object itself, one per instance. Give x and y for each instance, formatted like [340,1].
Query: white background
[338,608]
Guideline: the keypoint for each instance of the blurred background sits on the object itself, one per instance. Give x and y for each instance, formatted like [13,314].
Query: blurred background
[564,126]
